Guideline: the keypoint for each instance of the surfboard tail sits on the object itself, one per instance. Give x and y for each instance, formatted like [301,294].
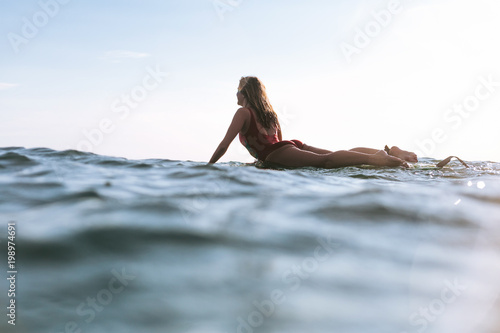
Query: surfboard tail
[448,159]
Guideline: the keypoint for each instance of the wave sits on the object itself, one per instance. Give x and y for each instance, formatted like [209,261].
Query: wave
[21,155]
[120,240]
[11,159]
[219,237]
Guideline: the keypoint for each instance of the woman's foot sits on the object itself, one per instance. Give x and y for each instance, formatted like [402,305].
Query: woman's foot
[381,158]
[407,156]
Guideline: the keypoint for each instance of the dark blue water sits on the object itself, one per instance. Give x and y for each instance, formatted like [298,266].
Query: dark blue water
[106,244]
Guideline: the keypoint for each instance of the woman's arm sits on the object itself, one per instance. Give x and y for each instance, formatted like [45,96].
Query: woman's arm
[219,152]
[236,126]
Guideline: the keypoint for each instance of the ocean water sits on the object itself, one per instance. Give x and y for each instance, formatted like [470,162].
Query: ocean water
[106,244]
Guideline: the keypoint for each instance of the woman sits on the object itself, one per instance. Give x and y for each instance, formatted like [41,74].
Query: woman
[260,132]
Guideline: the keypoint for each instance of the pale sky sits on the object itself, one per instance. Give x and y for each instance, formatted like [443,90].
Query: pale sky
[158,78]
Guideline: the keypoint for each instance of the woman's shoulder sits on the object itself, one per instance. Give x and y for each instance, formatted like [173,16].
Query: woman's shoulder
[244,111]
[244,108]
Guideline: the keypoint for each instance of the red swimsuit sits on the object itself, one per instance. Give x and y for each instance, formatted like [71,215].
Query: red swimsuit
[261,145]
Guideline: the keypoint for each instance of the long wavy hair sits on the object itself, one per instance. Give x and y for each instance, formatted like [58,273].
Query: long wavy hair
[254,92]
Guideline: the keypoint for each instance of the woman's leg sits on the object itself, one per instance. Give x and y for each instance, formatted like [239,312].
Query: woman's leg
[365,150]
[324,151]
[403,154]
[316,150]
[294,157]
[394,151]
